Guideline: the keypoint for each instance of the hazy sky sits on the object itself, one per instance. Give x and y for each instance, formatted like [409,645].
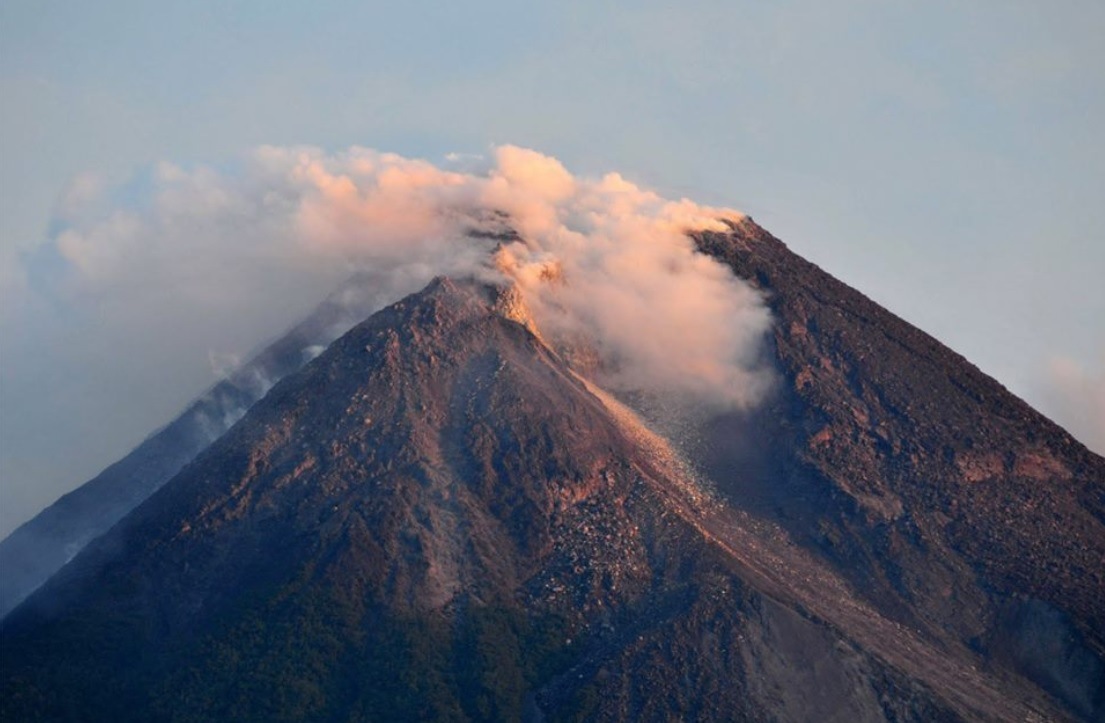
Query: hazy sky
[944,158]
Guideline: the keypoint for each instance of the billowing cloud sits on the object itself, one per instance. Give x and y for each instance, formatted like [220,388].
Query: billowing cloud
[627,280]
[148,291]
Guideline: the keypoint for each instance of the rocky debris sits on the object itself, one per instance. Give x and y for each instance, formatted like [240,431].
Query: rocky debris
[441,517]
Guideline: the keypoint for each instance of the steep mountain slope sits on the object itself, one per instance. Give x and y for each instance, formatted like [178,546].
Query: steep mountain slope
[952,504]
[39,547]
[437,518]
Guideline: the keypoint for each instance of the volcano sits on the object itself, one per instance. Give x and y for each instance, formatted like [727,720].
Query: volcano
[445,517]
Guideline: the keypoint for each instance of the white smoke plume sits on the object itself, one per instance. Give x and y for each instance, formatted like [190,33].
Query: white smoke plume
[601,260]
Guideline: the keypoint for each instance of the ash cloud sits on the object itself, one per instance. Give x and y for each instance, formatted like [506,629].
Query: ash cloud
[601,259]
[190,267]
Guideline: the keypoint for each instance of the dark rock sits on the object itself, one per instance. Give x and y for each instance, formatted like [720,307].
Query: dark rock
[438,519]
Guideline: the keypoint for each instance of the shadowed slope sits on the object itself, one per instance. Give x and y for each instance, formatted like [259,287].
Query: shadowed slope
[952,504]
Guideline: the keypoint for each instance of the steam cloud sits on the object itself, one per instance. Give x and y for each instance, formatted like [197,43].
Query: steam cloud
[600,260]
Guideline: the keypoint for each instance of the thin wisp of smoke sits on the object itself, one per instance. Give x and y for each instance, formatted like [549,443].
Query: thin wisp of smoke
[600,262]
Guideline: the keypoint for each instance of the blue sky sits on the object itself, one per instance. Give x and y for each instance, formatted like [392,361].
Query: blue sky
[944,158]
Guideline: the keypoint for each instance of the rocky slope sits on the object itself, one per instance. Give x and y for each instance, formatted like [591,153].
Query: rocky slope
[438,519]
[954,506]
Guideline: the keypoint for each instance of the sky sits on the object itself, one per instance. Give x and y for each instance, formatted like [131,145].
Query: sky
[944,158]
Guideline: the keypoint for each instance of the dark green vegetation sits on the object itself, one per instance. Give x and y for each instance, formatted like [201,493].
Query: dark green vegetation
[437,520]
[314,661]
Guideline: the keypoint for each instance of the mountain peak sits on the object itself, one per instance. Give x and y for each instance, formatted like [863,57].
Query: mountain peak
[442,517]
